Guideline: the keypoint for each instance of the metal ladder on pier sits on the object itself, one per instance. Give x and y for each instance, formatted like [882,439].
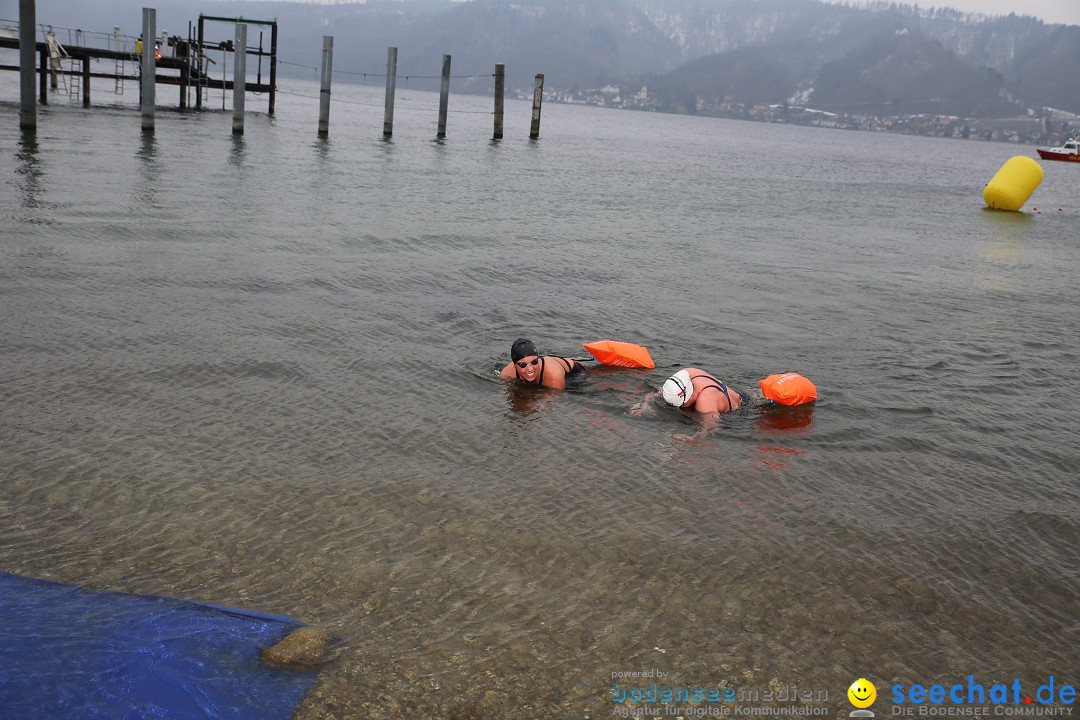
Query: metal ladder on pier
[119,65]
[57,55]
[74,85]
[118,70]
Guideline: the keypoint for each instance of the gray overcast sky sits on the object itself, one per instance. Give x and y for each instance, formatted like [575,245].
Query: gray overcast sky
[1051,11]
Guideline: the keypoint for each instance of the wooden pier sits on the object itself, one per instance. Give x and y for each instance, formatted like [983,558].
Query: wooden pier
[186,63]
[189,58]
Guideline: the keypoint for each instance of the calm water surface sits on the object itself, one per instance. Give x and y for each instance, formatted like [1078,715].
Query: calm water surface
[262,372]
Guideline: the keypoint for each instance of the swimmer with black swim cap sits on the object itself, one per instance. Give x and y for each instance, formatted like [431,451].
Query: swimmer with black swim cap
[529,367]
[522,348]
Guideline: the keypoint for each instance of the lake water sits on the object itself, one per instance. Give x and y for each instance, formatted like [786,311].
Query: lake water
[262,372]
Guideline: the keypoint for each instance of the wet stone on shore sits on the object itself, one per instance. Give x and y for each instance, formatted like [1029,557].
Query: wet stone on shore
[303,648]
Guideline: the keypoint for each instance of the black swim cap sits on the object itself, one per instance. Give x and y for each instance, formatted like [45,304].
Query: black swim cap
[522,348]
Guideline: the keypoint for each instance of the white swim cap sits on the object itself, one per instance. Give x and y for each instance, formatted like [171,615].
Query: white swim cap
[678,388]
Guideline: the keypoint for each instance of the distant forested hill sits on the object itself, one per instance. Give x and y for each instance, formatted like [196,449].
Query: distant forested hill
[889,59]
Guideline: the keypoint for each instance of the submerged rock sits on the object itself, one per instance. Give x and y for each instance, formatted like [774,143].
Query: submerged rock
[303,648]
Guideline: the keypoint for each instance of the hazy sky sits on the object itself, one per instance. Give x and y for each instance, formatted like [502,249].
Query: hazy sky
[1051,11]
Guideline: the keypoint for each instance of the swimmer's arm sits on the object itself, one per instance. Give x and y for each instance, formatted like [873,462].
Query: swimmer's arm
[709,421]
[646,404]
[508,372]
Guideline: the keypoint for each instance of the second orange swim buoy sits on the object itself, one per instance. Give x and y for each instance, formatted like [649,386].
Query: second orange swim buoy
[788,389]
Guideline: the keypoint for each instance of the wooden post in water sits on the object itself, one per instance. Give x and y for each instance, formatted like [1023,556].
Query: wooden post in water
[27,101]
[239,81]
[183,51]
[538,98]
[324,84]
[444,97]
[273,66]
[43,78]
[200,61]
[500,83]
[54,61]
[391,86]
[149,67]
[86,82]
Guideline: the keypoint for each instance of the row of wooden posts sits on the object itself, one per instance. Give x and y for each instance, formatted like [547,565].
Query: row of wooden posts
[28,100]
[326,72]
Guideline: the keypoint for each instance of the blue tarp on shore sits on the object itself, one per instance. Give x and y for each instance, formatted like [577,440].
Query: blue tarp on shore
[66,652]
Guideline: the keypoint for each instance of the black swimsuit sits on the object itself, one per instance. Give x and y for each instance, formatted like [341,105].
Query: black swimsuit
[571,370]
[720,386]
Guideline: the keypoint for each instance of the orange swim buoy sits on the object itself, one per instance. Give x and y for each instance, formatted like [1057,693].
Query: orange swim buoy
[157,52]
[788,389]
[620,354]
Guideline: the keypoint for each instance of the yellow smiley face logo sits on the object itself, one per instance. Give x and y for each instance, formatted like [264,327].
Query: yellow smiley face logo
[862,693]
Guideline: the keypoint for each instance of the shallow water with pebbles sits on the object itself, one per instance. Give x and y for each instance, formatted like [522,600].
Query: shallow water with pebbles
[262,372]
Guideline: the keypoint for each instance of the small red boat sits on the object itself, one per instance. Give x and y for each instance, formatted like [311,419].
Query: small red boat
[1069,152]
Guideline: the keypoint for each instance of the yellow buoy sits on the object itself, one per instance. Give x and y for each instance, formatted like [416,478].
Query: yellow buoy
[1013,184]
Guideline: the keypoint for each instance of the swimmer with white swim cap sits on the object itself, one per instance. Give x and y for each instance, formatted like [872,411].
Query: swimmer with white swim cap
[696,390]
[689,389]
